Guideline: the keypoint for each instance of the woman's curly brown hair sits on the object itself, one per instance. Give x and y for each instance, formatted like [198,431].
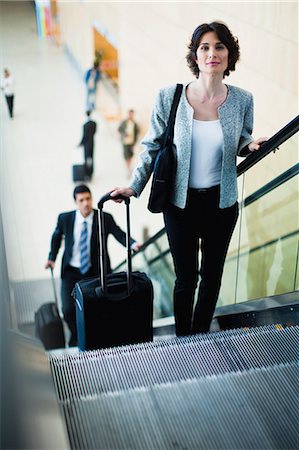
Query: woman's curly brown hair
[224,35]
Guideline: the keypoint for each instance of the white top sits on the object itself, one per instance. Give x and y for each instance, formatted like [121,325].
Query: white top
[206,154]
[7,84]
[79,219]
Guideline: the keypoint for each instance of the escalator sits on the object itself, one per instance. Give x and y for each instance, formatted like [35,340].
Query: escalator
[233,389]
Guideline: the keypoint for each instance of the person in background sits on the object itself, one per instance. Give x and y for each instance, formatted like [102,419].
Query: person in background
[128,130]
[92,77]
[213,125]
[7,85]
[79,228]
[87,141]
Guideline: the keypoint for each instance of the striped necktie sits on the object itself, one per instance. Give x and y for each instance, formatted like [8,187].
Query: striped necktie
[84,256]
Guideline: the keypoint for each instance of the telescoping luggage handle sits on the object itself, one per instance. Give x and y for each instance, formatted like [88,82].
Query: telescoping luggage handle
[54,287]
[103,249]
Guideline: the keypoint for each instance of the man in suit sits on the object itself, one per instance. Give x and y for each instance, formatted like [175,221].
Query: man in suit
[87,142]
[79,228]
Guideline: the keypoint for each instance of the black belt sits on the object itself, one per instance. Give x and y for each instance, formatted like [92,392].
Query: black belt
[205,190]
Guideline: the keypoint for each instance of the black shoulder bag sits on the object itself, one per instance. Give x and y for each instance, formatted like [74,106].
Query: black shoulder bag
[164,166]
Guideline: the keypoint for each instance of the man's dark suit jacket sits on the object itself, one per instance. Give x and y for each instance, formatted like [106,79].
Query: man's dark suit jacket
[65,228]
[89,130]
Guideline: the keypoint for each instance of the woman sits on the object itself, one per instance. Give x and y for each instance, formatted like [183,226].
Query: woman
[7,85]
[213,124]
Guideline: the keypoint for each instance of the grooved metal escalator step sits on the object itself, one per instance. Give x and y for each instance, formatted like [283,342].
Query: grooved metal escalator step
[257,409]
[230,390]
[110,370]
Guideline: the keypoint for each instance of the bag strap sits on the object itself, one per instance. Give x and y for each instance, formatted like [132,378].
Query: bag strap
[172,115]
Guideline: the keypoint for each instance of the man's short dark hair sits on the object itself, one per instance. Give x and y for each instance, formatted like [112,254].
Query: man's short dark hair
[80,189]
[224,35]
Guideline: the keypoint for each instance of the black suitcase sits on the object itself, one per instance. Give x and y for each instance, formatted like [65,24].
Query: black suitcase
[116,309]
[80,173]
[48,323]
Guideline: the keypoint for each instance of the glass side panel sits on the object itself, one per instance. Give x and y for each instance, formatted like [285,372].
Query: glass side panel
[162,275]
[297,270]
[266,263]
[156,262]
[272,165]
[269,243]
[157,247]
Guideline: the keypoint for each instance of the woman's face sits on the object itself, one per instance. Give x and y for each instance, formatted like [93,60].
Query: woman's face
[212,55]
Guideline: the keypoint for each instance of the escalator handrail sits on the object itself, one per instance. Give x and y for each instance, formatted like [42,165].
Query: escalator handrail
[267,147]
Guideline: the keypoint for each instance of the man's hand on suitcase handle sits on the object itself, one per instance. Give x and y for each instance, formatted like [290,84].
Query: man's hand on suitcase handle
[50,264]
[118,195]
[135,247]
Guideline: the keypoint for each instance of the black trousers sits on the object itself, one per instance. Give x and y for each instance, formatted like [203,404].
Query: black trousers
[88,157]
[201,219]
[9,101]
[70,277]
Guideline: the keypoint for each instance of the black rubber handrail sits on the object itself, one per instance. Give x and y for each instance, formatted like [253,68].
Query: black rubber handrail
[267,147]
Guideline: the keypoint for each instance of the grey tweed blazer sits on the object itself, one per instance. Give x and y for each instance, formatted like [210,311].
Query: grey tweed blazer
[236,119]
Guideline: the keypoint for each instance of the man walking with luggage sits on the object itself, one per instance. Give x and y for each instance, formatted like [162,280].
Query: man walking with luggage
[80,259]
[89,130]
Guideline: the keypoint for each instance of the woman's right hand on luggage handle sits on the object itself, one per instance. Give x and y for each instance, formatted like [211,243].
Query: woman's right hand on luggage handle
[126,192]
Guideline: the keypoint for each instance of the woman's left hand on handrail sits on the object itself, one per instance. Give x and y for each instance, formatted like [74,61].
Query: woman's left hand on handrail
[256,145]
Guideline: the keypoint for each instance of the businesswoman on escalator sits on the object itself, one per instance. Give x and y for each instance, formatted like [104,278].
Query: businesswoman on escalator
[213,125]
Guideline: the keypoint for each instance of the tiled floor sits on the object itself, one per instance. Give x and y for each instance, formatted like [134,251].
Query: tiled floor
[39,146]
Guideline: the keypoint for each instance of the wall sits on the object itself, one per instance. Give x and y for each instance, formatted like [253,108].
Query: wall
[152,41]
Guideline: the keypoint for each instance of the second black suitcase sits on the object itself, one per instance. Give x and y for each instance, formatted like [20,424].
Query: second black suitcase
[48,323]
[116,309]
[79,173]
[49,326]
